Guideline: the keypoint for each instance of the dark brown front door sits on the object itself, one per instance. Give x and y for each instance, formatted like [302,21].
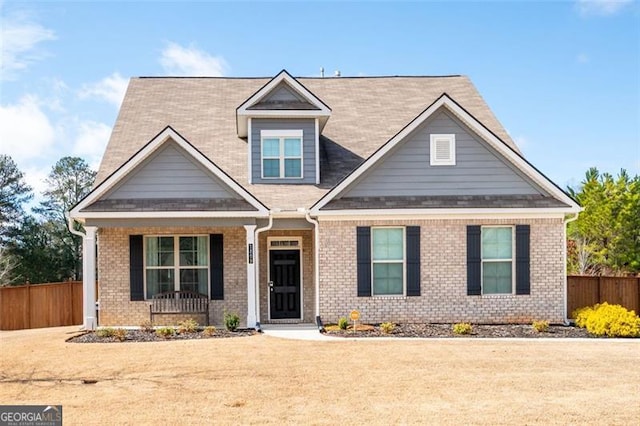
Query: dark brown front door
[284,283]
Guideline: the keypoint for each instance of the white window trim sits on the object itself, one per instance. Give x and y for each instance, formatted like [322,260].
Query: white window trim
[404,264]
[176,257]
[512,260]
[281,135]
[434,139]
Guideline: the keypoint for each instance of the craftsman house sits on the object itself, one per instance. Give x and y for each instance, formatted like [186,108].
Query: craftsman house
[287,199]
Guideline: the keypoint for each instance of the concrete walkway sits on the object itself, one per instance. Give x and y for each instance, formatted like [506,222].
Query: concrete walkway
[295,331]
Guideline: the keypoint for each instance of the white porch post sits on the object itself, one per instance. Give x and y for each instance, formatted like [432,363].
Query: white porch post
[89,277]
[251,276]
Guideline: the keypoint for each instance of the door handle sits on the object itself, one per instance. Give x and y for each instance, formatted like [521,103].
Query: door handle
[270,285]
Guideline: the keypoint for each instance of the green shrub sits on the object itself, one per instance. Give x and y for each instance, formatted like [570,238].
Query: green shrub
[147,326]
[120,334]
[608,320]
[209,330]
[187,326]
[343,323]
[105,332]
[462,328]
[387,327]
[165,332]
[231,321]
[541,326]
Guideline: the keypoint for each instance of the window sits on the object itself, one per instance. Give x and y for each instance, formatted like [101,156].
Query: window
[497,260]
[442,150]
[387,261]
[176,263]
[281,154]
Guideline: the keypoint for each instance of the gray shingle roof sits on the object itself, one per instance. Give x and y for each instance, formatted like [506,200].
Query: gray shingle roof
[446,202]
[366,113]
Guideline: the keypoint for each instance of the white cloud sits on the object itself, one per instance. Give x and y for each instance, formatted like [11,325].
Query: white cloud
[91,140]
[26,131]
[190,61]
[601,7]
[110,89]
[20,40]
[582,58]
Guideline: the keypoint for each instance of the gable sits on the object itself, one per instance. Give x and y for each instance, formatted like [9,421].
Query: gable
[170,174]
[506,180]
[167,178]
[283,97]
[408,171]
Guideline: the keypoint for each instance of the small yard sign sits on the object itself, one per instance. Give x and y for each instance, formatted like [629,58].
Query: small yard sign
[354,315]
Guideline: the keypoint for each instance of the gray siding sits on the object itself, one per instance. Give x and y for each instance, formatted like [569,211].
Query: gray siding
[479,170]
[308,147]
[283,93]
[170,173]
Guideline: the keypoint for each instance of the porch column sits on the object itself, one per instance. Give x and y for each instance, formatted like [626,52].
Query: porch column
[89,277]
[252,318]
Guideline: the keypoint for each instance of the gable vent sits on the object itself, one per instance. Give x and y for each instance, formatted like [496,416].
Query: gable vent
[443,150]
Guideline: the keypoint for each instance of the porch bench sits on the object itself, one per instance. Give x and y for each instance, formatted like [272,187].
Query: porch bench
[179,302]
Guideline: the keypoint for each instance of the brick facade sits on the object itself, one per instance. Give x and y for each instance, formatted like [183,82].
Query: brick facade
[113,276]
[443,276]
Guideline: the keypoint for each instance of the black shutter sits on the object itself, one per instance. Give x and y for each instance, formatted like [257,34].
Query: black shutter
[413,260]
[364,260]
[216,266]
[136,268]
[523,282]
[474,260]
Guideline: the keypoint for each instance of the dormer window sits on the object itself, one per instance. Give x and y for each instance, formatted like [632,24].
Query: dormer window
[443,150]
[281,152]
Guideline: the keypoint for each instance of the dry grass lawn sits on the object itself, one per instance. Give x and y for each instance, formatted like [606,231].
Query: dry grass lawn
[264,380]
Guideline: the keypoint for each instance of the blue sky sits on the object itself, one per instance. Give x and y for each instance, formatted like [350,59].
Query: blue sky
[562,77]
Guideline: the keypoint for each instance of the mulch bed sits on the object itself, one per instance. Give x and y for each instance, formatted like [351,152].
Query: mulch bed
[146,336]
[446,330]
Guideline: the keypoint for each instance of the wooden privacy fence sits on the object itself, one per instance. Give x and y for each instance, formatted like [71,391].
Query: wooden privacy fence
[587,291]
[41,305]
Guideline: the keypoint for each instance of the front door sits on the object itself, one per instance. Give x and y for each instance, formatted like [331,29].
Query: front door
[284,283]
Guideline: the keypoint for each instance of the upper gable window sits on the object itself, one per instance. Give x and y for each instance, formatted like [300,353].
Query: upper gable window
[443,150]
[281,152]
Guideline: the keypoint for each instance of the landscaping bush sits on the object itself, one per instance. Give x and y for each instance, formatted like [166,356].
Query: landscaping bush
[541,326]
[187,326]
[120,334]
[387,327]
[105,332]
[343,323]
[209,330]
[231,321]
[608,320]
[462,328]
[165,332]
[147,326]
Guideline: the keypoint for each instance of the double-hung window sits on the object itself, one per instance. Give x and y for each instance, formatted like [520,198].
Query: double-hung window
[497,260]
[281,154]
[176,263]
[388,261]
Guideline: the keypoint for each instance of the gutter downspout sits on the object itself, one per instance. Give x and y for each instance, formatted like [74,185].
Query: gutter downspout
[564,255]
[256,261]
[316,263]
